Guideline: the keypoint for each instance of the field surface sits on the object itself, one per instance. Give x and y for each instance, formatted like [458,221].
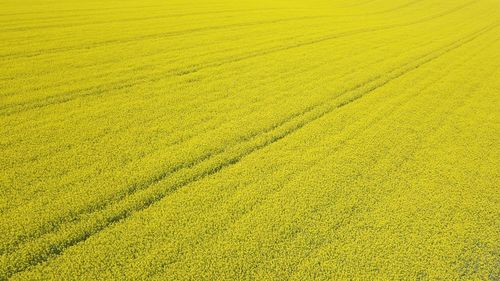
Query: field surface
[243,140]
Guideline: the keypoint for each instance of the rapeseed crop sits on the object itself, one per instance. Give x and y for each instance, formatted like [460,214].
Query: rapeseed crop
[255,140]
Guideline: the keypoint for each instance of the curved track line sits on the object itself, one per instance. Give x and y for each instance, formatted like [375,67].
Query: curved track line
[289,127]
[125,83]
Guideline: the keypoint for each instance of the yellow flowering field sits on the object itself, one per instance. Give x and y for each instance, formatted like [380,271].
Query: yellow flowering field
[250,140]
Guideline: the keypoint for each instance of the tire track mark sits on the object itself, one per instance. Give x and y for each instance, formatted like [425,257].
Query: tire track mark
[284,74]
[309,115]
[149,65]
[359,4]
[338,146]
[439,125]
[38,27]
[201,29]
[7,57]
[126,83]
[391,111]
[79,10]
[359,131]
[211,128]
[411,3]
[324,243]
